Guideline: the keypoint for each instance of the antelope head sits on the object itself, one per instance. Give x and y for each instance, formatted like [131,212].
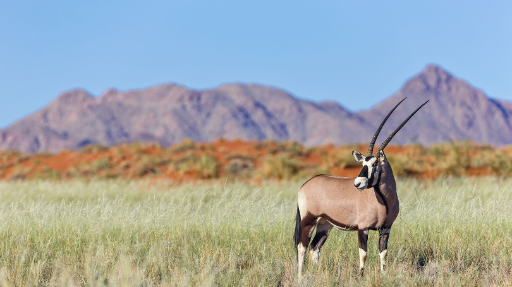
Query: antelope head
[372,163]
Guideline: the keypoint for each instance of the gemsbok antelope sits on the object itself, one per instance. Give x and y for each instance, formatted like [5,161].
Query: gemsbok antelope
[366,202]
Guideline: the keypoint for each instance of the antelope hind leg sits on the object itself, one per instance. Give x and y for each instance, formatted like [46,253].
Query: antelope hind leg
[307,226]
[322,231]
[383,247]
[362,236]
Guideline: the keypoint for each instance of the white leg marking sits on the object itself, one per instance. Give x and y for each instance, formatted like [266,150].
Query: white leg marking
[315,255]
[362,258]
[383,259]
[301,251]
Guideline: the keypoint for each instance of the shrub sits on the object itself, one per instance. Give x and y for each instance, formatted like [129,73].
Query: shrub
[184,164]
[484,157]
[207,166]
[264,144]
[48,173]
[119,152]
[240,165]
[45,154]
[92,148]
[501,164]
[145,164]
[457,160]
[19,172]
[339,159]
[185,145]
[101,164]
[401,165]
[281,167]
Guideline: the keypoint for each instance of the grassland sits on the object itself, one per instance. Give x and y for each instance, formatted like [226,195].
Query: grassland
[451,231]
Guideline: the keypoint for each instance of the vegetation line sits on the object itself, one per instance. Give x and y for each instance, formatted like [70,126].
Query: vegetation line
[251,161]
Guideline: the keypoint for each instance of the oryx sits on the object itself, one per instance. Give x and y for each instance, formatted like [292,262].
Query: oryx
[366,202]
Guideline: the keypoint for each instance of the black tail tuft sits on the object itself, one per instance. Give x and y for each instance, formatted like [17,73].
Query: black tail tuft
[298,229]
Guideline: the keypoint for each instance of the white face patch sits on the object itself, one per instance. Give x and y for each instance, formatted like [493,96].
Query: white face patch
[372,167]
[361,183]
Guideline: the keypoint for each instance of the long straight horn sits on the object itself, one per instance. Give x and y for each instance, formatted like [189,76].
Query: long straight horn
[385,143]
[370,148]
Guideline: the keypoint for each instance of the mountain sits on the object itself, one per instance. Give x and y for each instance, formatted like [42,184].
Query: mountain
[456,111]
[170,113]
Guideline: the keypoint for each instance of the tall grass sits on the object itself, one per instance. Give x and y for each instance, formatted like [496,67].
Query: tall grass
[452,231]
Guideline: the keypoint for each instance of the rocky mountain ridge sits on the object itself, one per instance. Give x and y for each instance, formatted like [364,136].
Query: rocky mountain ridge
[170,113]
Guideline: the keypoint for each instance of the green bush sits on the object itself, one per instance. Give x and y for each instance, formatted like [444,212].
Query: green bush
[280,166]
[207,166]
[240,165]
[185,145]
[101,164]
[339,159]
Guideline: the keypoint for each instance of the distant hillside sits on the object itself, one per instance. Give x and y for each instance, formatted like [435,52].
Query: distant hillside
[170,113]
[456,111]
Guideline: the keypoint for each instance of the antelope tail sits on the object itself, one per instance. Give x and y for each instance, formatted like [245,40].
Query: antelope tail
[298,229]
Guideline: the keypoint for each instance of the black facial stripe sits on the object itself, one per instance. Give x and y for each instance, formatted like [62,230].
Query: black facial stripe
[364,172]
[368,158]
[370,180]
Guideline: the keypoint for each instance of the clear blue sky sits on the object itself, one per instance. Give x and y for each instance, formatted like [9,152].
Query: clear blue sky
[356,53]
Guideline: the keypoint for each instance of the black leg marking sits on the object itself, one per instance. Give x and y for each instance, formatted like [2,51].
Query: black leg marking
[383,241]
[322,232]
[319,240]
[383,247]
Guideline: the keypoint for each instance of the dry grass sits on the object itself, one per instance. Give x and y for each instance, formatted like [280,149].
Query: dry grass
[450,232]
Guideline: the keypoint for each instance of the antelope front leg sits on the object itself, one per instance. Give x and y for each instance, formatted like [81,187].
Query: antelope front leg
[383,247]
[362,236]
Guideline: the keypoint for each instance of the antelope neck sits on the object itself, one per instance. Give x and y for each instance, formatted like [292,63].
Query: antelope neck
[376,188]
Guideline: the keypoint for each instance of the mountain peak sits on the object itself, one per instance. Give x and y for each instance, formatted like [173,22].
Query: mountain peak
[433,79]
[436,71]
[74,97]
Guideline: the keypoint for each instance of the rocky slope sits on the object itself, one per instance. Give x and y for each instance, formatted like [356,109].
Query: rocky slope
[456,111]
[170,113]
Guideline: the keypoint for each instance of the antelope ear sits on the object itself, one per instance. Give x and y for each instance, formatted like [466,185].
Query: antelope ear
[358,156]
